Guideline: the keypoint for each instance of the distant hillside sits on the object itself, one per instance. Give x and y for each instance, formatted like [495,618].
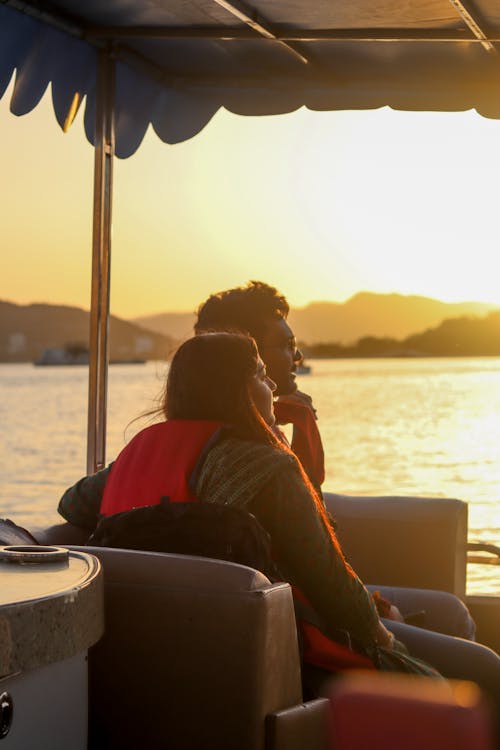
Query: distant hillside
[454,337]
[465,336]
[365,314]
[369,314]
[26,330]
[177,325]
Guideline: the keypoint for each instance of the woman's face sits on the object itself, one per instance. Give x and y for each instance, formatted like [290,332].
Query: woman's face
[261,392]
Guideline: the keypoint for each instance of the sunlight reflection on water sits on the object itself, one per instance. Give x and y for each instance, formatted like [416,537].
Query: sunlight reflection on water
[426,427]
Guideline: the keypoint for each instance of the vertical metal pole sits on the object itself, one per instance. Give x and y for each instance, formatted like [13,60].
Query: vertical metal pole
[101,254]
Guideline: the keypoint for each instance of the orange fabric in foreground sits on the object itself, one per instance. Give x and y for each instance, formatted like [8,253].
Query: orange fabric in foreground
[321,651]
[406,712]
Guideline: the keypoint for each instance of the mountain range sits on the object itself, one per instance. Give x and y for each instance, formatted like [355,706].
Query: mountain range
[467,336]
[27,330]
[365,314]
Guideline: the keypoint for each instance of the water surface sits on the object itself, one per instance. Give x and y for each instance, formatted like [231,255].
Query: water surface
[390,426]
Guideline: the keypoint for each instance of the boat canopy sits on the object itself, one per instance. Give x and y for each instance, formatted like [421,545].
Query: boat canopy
[179,62]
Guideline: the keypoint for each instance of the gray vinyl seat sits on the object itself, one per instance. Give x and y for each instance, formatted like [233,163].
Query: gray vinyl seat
[416,542]
[202,653]
[411,541]
[196,654]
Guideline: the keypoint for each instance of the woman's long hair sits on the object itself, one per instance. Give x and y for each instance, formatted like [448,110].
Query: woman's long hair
[209,378]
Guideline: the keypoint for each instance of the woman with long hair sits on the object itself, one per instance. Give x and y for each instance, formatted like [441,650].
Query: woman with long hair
[216,444]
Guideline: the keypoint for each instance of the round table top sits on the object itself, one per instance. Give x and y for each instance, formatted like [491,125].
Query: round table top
[51,605]
[32,575]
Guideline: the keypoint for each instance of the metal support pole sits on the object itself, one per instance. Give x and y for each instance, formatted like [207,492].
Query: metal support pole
[101,253]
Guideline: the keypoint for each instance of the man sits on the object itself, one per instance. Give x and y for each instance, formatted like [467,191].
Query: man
[259,309]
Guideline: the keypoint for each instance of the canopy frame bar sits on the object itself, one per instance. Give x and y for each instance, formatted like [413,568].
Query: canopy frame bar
[54,18]
[101,263]
[472,21]
[290,34]
[257,23]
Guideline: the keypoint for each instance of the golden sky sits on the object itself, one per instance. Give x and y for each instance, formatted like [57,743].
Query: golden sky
[322,205]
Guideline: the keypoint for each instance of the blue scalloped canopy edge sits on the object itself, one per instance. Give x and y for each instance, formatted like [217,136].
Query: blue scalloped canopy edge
[40,54]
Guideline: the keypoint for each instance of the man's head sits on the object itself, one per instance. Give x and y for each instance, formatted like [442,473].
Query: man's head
[257,309]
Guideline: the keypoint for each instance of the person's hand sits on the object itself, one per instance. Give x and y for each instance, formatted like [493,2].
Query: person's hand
[394,614]
[384,637]
[299,397]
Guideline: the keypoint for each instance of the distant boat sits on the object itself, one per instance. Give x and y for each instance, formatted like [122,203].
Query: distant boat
[76,355]
[70,355]
[303,369]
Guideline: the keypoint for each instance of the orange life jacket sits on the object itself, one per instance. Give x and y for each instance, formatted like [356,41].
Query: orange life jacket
[158,462]
[162,461]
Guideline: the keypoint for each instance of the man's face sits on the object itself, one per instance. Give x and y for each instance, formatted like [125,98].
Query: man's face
[278,349]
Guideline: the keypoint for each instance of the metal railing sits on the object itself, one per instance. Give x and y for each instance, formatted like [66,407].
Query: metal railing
[490,556]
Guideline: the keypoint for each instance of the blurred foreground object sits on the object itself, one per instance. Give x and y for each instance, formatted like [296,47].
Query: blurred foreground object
[402,711]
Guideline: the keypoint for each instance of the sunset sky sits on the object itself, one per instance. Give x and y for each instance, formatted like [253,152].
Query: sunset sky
[322,205]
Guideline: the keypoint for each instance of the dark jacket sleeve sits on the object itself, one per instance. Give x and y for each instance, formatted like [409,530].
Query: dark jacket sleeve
[81,503]
[308,558]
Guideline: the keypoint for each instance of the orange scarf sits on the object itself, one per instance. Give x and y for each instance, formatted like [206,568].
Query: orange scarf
[306,441]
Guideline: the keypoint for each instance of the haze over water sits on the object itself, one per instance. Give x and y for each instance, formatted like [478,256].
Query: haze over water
[390,426]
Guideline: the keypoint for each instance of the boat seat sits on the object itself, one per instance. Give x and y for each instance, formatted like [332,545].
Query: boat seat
[61,533]
[417,542]
[196,654]
[202,653]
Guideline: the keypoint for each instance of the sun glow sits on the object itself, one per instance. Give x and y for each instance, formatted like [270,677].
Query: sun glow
[322,205]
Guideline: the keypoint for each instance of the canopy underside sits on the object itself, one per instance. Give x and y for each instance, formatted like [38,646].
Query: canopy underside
[177,63]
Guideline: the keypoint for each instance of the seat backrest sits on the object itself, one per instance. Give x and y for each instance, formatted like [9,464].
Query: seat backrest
[418,542]
[61,533]
[196,653]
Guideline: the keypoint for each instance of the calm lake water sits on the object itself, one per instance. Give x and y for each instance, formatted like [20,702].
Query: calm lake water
[404,426]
